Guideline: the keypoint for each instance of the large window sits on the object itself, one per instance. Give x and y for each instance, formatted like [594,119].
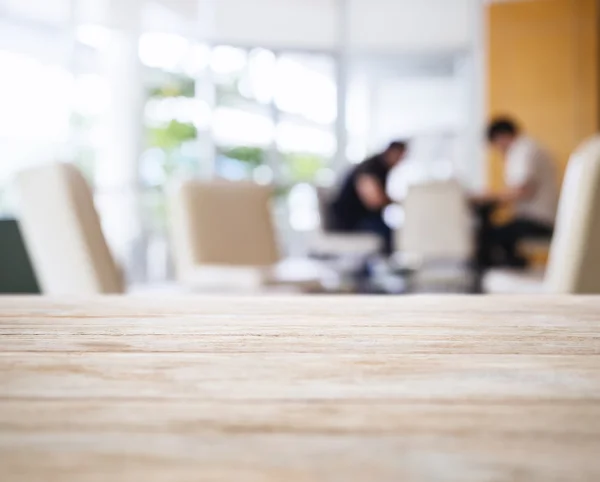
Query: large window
[36,97]
[52,91]
[237,114]
[243,126]
[190,108]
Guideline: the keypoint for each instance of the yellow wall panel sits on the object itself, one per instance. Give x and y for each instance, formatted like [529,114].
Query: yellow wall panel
[543,70]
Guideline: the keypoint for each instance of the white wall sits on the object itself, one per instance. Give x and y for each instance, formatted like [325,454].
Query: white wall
[410,25]
[44,11]
[434,113]
[374,25]
[50,46]
[428,102]
[417,105]
[292,23]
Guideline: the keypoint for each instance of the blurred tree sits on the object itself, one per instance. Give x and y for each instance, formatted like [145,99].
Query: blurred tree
[303,167]
[253,156]
[174,86]
[171,136]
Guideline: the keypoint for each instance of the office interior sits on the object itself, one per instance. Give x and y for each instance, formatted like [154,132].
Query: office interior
[189,146]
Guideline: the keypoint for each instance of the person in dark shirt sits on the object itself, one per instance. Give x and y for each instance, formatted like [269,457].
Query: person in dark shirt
[359,204]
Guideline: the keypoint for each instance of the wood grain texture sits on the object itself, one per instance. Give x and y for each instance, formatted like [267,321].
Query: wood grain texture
[300,389]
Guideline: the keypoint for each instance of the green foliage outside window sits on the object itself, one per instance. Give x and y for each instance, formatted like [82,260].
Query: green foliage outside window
[175,86]
[171,136]
[253,156]
[303,167]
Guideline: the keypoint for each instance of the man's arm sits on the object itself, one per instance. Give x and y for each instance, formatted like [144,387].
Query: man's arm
[522,179]
[508,195]
[518,193]
[371,192]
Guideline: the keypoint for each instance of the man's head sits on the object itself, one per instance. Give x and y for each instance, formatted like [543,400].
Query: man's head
[502,132]
[395,153]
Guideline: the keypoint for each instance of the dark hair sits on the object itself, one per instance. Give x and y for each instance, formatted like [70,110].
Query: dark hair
[501,126]
[397,145]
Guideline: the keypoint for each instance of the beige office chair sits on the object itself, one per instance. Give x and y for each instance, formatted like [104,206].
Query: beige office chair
[437,236]
[63,234]
[574,263]
[437,223]
[328,243]
[223,239]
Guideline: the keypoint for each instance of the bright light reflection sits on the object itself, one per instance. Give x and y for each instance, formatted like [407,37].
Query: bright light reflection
[325,177]
[196,60]
[92,95]
[237,127]
[292,137]
[304,207]
[35,99]
[94,36]
[181,109]
[35,112]
[263,175]
[228,60]
[301,90]
[262,68]
[163,51]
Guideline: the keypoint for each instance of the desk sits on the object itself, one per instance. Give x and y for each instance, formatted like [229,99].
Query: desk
[300,389]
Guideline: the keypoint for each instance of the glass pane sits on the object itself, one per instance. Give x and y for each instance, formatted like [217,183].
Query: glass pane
[95,37]
[55,12]
[305,151]
[306,98]
[243,80]
[239,127]
[243,127]
[294,136]
[34,119]
[306,87]
[228,63]
[259,84]
[172,117]
[91,95]
[173,53]
[163,51]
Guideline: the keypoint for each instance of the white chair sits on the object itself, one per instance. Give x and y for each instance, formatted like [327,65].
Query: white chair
[574,262]
[437,232]
[223,239]
[63,234]
[327,243]
[437,223]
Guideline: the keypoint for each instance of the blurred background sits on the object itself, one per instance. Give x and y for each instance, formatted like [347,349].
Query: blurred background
[137,93]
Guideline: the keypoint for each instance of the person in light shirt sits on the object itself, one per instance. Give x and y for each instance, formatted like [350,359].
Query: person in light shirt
[531,190]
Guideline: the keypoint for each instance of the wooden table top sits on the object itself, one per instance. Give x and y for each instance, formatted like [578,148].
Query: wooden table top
[300,389]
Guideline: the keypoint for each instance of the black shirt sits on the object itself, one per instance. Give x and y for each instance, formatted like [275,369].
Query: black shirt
[348,210]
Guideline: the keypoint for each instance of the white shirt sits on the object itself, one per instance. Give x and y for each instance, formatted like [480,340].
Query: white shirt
[528,163]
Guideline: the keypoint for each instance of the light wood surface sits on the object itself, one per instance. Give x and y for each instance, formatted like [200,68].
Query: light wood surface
[300,389]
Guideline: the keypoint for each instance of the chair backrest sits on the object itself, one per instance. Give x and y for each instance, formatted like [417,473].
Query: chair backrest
[324,197]
[221,223]
[16,270]
[574,264]
[63,234]
[437,223]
